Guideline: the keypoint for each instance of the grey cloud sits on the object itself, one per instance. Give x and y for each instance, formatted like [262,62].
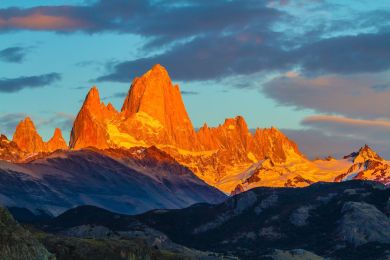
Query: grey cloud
[381,87]
[10,85]
[316,144]
[59,119]
[13,54]
[116,95]
[338,136]
[346,95]
[9,121]
[189,92]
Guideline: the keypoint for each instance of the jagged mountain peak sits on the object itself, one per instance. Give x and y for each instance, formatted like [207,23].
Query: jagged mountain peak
[27,137]
[153,101]
[93,97]
[364,154]
[236,122]
[57,141]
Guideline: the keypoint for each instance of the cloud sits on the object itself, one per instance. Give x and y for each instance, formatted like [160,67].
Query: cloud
[59,119]
[381,87]
[340,121]
[13,54]
[189,92]
[205,58]
[8,85]
[335,135]
[9,121]
[350,95]
[346,54]
[208,40]
[316,144]
[40,18]
[121,95]
[148,18]
[377,131]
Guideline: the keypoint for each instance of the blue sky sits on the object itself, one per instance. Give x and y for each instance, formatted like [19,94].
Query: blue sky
[319,70]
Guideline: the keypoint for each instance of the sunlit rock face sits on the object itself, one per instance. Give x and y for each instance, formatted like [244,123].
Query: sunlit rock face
[29,142]
[9,150]
[153,113]
[89,128]
[56,142]
[155,104]
[366,164]
[27,137]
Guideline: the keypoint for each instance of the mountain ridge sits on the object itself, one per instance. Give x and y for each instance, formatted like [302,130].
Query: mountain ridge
[229,156]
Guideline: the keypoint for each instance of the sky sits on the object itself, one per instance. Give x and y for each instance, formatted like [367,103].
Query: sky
[319,70]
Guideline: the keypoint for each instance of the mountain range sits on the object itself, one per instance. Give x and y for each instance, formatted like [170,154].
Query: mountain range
[143,183]
[347,220]
[148,155]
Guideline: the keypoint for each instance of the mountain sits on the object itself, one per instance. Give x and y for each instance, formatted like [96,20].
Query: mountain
[153,114]
[56,142]
[297,171]
[9,150]
[347,220]
[130,181]
[333,220]
[30,142]
[229,156]
[27,137]
[366,165]
[22,242]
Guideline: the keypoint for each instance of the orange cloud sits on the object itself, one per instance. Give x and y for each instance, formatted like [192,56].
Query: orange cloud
[345,120]
[39,21]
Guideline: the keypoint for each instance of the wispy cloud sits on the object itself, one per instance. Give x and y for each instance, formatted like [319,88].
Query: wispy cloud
[61,120]
[9,85]
[9,121]
[337,135]
[13,54]
[189,92]
[121,95]
[350,95]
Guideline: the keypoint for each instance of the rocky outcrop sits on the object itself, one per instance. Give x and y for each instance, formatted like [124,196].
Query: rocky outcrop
[362,223]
